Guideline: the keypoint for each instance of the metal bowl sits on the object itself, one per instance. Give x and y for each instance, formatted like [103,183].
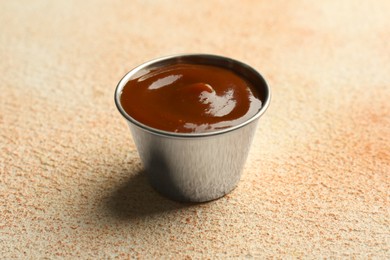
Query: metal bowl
[195,167]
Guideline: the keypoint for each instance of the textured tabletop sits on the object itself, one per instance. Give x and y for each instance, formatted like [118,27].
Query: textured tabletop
[316,183]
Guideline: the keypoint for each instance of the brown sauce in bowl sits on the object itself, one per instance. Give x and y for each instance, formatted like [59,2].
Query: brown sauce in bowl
[190,98]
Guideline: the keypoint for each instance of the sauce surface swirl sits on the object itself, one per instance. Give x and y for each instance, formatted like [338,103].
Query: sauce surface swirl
[190,98]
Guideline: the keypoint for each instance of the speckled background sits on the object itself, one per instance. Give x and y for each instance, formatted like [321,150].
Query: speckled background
[316,183]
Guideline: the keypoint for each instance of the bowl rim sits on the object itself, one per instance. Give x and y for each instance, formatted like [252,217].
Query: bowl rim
[201,58]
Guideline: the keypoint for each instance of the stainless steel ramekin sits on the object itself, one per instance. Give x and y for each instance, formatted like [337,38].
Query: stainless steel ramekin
[194,167]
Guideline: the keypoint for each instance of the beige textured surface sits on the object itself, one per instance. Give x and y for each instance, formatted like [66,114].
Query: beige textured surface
[317,179]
